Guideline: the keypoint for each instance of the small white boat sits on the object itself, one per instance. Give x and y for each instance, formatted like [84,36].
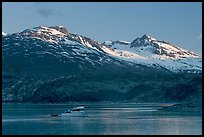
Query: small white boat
[78,111]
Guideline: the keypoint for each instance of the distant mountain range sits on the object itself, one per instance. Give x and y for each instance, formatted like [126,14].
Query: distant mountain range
[57,42]
[52,64]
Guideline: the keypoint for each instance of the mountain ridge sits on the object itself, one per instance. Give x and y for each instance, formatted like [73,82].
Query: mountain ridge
[146,50]
[51,64]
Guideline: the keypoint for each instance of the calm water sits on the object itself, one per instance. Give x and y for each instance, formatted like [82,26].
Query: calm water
[103,119]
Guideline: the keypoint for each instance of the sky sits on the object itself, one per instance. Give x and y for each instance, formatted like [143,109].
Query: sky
[179,23]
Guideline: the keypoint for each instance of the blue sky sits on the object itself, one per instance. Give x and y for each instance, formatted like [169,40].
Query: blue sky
[177,23]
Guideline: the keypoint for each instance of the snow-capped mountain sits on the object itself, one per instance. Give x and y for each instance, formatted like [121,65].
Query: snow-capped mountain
[57,43]
[59,35]
[149,51]
[54,48]
[162,48]
[51,64]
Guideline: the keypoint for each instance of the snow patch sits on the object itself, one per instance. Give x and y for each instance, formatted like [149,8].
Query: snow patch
[3,34]
[71,42]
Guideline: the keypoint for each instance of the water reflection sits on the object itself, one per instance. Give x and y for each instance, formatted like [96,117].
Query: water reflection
[103,119]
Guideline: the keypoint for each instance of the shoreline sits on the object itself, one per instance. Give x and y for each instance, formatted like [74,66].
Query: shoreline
[171,107]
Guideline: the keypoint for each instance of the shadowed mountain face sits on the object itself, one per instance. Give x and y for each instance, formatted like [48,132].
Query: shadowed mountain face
[50,64]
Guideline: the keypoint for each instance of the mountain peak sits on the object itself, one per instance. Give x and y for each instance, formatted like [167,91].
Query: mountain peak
[60,29]
[53,29]
[50,34]
[146,37]
[144,40]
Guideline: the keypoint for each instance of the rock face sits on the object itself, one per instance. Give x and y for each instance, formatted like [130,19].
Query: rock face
[50,64]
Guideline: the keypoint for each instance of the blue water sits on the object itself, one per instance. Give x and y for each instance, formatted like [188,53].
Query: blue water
[103,119]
